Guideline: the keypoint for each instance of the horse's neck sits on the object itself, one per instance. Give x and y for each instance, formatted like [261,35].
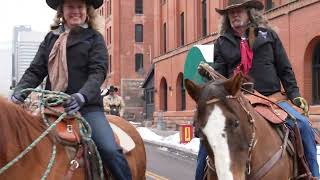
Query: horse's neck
[23,134]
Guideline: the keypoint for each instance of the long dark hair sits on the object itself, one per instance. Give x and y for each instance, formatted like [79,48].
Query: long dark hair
[256,17]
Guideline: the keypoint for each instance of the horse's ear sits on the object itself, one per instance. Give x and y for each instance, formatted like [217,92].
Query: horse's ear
[234,84]
[193,89]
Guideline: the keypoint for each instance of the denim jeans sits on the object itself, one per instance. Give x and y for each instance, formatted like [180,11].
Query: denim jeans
[110,152]
[201,162]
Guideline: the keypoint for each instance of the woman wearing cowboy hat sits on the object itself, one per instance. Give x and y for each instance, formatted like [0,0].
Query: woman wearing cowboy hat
[73,55]
[247,44]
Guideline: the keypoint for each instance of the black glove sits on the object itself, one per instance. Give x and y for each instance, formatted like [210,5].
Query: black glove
[17,99]
[74,103]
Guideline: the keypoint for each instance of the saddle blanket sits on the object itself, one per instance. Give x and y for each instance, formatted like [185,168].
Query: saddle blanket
[126,142]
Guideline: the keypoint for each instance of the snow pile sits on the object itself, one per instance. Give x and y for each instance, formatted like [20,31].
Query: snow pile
[173,140]
[147,134]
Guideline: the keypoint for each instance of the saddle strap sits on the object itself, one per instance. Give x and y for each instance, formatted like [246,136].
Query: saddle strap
[74,164]
[274,159]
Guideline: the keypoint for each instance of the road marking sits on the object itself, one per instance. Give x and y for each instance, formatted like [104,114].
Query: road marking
[155,176]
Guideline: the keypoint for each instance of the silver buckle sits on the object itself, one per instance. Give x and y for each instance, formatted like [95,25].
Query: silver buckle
[69,128]
[74,164]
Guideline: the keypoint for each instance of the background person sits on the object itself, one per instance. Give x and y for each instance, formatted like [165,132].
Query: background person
[113,103]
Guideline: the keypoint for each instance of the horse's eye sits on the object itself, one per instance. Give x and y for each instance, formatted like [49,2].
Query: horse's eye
[236,123]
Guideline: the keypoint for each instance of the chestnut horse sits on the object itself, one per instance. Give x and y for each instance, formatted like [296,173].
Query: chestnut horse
[239,141]
[18,129]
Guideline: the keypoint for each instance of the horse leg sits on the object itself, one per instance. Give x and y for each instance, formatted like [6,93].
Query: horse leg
[137,157]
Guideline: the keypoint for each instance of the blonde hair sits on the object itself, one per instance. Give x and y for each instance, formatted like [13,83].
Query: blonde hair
[94,20]
[256,17]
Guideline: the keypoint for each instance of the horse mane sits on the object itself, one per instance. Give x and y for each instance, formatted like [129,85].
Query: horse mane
[16,125]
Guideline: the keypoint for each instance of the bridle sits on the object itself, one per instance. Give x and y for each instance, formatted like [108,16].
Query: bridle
[274,159]
[253,140]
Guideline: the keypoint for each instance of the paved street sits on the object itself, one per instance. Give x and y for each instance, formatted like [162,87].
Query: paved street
[165,165]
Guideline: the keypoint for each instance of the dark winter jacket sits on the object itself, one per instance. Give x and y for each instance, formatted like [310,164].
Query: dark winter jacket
[87,66]
[270,64]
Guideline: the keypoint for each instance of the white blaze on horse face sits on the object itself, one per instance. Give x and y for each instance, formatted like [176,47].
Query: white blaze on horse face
[217,138]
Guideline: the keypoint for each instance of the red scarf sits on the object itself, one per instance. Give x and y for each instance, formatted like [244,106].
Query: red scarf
[246,58]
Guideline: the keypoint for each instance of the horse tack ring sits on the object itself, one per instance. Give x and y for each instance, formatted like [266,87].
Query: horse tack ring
[74,164]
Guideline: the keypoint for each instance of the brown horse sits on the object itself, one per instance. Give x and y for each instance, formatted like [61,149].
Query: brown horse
[239,141]
[18,129]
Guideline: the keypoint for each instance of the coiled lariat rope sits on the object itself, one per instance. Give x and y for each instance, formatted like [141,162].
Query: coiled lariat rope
[48,99]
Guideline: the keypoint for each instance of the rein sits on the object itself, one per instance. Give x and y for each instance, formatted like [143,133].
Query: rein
[51,99]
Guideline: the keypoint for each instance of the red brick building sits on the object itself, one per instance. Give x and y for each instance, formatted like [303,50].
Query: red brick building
[129,39]
[180,24]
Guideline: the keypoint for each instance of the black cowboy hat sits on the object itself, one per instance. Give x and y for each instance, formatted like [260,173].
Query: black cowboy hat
[241,3]
[55,3]
[112,89]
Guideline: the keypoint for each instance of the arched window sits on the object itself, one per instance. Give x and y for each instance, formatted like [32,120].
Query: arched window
[163,95]
[316,75]
[180,94]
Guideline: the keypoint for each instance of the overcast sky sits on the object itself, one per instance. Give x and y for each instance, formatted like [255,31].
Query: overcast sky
[19,12]
[23,12]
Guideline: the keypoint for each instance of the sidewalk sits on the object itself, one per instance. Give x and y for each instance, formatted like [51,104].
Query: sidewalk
[169,140]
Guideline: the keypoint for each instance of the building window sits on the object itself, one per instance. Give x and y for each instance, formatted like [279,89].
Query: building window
[204,18]
[110,63]
[182,29]
[149,96]
[139,7]
[164,37]
[316,75]
[139,32]
[183,97]
[110,35]
[163,95]
[110,5]
[139,62]
[268,4]
[180,94]
[108,8]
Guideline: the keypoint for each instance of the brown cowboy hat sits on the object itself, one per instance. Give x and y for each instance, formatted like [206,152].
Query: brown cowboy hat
[55,3]
[112,89]
[241,3]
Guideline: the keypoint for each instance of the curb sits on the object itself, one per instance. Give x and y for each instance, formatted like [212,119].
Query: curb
[172,148]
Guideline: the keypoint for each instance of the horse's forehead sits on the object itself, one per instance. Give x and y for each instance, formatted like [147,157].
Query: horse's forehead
[213,90]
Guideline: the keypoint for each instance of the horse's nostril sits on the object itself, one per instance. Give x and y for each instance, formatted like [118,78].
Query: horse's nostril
[223,135]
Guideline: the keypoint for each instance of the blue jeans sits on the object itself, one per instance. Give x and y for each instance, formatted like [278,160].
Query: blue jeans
[110,152]
[201,162]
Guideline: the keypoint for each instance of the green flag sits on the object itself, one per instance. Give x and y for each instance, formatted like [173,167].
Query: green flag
[195,55]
